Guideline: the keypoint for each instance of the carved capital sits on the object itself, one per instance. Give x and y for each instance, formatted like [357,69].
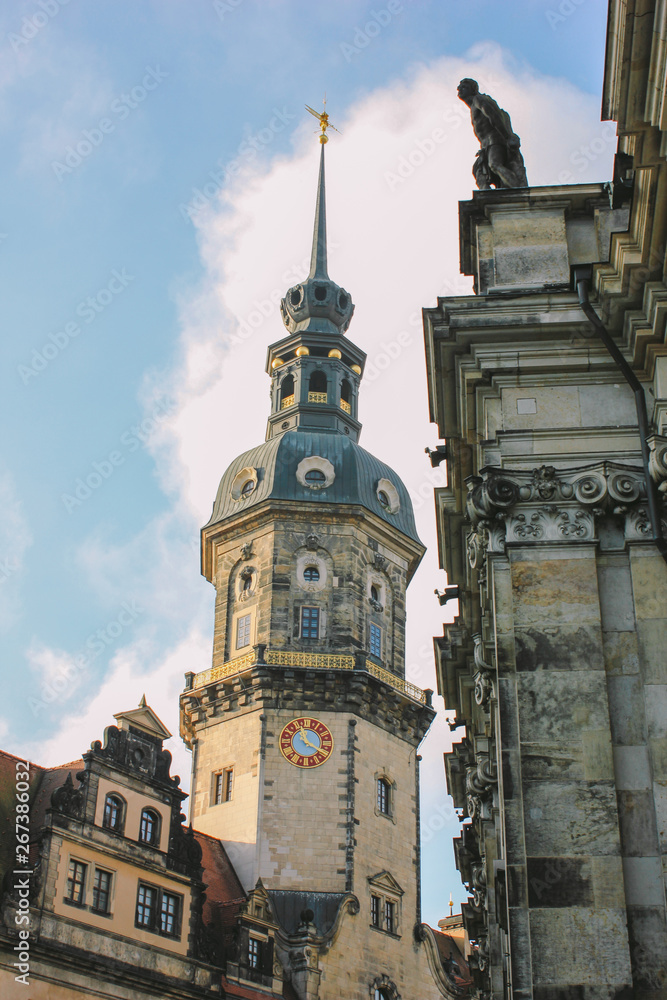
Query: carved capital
[551,505]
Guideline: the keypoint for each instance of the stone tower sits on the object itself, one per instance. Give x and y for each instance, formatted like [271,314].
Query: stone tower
[304,730]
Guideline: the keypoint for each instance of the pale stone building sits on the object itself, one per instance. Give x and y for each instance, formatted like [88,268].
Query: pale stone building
[552,527]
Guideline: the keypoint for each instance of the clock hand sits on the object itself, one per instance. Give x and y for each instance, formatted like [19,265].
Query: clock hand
[306,740]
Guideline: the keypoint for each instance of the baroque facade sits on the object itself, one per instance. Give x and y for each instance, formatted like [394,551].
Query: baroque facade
[552,531]
[299,874]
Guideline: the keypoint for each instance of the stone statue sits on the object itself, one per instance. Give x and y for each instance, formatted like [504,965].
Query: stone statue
[499,161]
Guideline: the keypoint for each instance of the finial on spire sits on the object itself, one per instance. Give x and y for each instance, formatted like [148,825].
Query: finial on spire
[451,905]
[323,119]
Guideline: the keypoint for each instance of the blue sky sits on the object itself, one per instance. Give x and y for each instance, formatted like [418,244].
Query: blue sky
[159,173]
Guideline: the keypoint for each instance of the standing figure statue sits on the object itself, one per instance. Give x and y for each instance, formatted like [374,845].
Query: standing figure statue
[499,161]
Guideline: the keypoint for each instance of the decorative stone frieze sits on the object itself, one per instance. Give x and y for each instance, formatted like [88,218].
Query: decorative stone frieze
[554,505]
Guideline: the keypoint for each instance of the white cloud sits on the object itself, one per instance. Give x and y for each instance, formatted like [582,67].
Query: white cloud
[127,680]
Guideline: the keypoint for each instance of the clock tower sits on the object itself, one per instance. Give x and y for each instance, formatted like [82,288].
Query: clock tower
[304,730]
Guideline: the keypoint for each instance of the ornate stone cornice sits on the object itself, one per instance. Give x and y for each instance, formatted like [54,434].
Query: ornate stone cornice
[556,505]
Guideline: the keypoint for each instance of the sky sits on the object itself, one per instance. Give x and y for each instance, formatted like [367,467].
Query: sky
[158,173]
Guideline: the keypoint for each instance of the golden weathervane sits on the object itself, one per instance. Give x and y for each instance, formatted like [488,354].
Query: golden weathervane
[323,119]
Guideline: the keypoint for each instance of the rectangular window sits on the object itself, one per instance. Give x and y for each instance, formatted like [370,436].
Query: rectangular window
[224,783]
[169,913]
[375,911]
[146,900]
[376,641]
[101,890]
[253,953]
[76,882]
[243,631]
[383,796]
[389,918]
[310,623]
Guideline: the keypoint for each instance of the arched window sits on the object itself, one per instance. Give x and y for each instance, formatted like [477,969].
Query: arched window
[311,574]
[113,813]
[383,498]
[346,396]
[374,594]
[149,828]
[247,488]
[317,388]
[383,796]
[287,392]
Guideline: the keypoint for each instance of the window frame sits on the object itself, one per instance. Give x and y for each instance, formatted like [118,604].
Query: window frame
[243,631]
[383,791]
[154,841]
[96,908]
[376,920]
[72,884]
[254,954]
[223,786]
[389,916]
[311,574]
[375,640]
[154,923]
[312,613]
[119,825]
[171,914]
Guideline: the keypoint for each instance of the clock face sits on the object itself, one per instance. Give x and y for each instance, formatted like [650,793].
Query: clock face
[306,742]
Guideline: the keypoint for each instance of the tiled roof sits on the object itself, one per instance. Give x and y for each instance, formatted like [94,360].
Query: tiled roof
[224,892]
[449,952]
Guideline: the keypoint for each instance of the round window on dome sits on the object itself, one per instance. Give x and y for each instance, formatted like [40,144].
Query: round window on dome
[315,472]
[244,483]
[387,496]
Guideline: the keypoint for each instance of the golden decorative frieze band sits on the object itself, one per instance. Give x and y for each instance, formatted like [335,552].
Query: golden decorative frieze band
[310,661]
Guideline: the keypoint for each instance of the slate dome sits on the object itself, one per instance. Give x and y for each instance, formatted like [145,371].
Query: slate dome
[275,469]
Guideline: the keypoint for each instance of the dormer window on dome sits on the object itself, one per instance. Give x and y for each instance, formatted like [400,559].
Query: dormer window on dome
[315,472]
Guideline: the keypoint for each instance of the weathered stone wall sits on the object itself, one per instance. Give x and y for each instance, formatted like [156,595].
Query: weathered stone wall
[350,556]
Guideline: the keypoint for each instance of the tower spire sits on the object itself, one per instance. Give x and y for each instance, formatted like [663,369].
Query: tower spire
[318,304]
[318,257]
